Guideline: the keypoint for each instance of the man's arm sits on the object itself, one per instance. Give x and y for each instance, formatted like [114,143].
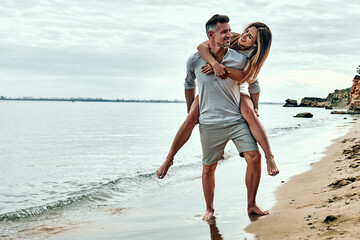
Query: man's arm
[255,99]
[189,96]
[254,90]
[190,84]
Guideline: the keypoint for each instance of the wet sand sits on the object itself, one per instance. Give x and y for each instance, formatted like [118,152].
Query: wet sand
[322,203]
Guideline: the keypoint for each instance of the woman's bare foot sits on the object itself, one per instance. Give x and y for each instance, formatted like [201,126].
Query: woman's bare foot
[161,172]
[208,215]
[256,210]
[271,165]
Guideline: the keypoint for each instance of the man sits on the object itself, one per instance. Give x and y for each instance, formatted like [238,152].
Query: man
[220,119]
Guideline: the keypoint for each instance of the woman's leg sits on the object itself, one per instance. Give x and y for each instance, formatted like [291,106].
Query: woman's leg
[181,137]
[258,131]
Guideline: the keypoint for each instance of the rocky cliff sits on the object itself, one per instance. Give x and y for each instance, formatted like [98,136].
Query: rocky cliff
[339,98]
[354,99]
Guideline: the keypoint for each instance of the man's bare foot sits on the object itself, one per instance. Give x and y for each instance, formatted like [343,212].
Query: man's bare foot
[161,172]
[271,165]
[209,214]
[256,210]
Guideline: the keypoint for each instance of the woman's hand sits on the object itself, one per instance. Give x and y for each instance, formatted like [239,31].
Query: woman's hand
[208,69]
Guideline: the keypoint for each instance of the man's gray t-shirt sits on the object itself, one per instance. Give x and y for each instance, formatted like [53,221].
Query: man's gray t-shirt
[219,100]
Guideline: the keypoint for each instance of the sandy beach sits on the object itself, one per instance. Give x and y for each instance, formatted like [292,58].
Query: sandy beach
[322,203]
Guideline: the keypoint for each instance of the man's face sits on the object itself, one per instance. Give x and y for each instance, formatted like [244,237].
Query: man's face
[222,35]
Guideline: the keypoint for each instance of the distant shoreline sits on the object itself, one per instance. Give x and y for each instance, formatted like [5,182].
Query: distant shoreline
[100,100]
[89,100]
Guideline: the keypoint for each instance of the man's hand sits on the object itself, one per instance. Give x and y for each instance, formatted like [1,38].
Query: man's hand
[256,111]
[255,99]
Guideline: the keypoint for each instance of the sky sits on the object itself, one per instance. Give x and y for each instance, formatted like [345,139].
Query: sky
[118,49]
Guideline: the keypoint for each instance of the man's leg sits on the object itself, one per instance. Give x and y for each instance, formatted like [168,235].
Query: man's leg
[252,179]
[208,182]
[213,141]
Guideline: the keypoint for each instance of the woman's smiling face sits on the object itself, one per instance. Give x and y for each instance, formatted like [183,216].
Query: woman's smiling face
[248,37]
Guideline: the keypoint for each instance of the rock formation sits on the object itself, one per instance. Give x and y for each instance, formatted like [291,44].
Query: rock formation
[354,99]
[304,115]
[290,103]
[338,112]
[328,106]
[312,102]
[339,98]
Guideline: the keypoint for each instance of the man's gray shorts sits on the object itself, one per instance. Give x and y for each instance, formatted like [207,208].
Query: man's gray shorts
[214,138]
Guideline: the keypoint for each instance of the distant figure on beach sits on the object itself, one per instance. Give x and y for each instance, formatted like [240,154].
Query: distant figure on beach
[217,108]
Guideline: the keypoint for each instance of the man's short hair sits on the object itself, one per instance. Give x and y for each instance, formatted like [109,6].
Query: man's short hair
[211,24]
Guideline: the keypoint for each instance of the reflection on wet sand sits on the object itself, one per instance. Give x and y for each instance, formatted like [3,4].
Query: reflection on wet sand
[214,231]
[254,217]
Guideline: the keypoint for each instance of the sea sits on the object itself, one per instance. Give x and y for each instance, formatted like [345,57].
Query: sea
[60,161]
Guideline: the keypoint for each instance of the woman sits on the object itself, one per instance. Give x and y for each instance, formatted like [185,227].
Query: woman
[255,41]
